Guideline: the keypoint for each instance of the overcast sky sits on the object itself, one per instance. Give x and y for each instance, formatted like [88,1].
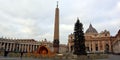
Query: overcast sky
[35,18]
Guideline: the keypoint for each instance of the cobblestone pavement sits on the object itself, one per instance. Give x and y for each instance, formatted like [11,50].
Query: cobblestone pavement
[98,59]
[17,58]
[111,57]
[114,57]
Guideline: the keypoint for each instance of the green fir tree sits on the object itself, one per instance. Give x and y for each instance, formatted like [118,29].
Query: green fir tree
[79,41]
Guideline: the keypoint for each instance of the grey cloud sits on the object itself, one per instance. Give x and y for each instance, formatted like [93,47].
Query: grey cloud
[35,18]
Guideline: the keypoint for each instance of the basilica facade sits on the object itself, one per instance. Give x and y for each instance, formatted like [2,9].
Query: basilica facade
[95,42]
[116,43]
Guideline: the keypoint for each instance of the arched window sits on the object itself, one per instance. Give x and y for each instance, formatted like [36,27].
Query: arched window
[105,34]
[96,47]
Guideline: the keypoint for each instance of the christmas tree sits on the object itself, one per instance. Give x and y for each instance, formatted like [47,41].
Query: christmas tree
[79,41]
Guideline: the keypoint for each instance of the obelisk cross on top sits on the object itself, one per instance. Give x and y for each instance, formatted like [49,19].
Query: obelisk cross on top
[56,31]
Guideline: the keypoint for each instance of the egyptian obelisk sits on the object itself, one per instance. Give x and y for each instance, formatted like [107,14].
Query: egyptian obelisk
[56,31]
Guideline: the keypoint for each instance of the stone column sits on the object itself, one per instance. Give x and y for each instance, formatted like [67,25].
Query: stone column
[69,47]
[33,47]
[10,47]
[36,47]
[110,49]
[0,44]
[93,48]
[99,46]
[103,46]
[7,47]
[21,47]
[5,44]
[13,47]
[28,49]
[25,48]
[90,46]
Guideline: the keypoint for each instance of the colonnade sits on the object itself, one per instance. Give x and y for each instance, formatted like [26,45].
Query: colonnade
[18,47]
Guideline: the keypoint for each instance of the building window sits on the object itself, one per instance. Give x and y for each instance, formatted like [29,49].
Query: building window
[71,48]
[106,48]
[2,44]
[87,49]
[71,37]
[91,49]
[105,34]
[96,48]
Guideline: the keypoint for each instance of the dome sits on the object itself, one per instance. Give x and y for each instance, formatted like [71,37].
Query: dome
[91,30]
